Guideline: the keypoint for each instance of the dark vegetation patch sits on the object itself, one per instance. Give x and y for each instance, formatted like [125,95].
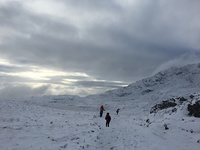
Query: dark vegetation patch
[194,110]
[163,105]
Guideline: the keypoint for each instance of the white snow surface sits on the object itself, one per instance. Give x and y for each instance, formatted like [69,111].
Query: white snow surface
[73,123]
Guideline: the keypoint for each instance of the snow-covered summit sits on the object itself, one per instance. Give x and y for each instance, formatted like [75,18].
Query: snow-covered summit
[164,83]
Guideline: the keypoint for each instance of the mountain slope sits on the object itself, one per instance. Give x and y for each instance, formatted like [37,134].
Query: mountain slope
[165,83]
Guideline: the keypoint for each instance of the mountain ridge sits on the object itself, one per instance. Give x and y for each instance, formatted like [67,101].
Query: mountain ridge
[173,78]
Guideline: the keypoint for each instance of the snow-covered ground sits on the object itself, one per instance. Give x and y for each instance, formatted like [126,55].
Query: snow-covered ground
[73,123]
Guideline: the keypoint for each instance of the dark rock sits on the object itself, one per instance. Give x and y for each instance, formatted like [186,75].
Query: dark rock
[166,127]
[191,96]
[123,94]
[191,131]
[182,99]
[146,91]
[174,109]
[163,105]
[147,121]
[194,110]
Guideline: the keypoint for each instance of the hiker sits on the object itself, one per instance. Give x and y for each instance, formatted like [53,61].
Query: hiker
[101,110]
[108,119]
[117,111]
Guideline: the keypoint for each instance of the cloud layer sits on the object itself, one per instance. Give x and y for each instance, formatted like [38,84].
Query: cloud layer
[84,47]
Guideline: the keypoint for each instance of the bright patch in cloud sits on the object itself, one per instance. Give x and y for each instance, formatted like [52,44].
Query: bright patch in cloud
[45,74]
[49,7]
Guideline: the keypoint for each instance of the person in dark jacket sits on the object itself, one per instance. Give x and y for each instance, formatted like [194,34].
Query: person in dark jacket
[108,119]
[117,111]
[101,110]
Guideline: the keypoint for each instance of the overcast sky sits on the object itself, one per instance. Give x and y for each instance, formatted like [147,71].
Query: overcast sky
[81,47]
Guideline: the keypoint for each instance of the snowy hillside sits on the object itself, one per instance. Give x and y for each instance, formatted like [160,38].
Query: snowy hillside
[165,84]
[73,123]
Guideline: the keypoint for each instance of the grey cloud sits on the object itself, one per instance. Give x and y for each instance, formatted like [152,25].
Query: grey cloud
[17,79]
[187,58]
[7,69]
[126,46]
[10,91]
[14,16]
[99,84]
[94,6]
[8,13]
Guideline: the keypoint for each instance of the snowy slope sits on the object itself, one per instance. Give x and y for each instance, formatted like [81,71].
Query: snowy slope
[165,84]
[73,123]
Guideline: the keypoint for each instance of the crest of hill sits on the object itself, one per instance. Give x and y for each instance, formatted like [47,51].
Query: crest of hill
[175,80]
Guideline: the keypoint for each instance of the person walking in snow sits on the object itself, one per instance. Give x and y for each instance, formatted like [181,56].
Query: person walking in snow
[108,119]
[117,111]
[101,110]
